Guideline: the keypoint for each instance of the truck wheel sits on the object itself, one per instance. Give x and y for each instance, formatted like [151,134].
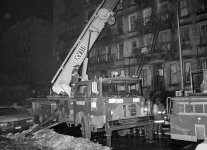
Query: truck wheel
[123,132]
[85,129]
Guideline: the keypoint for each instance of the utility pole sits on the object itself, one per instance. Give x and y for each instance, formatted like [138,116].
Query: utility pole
[180,51]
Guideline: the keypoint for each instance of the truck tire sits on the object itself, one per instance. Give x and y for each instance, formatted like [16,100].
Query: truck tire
[85,128]
[123,132]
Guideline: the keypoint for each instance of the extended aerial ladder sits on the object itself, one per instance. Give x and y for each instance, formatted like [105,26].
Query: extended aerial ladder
[78,53]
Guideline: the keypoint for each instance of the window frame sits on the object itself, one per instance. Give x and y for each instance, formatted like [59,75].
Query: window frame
[187,73]
[183,7]
[132,22]
[173,74]
[120,51]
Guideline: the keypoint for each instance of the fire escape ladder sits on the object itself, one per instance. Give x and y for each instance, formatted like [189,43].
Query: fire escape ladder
[155,26]
[140,59]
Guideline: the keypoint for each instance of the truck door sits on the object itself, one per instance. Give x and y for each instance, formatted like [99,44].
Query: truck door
[96,105]
[81,96]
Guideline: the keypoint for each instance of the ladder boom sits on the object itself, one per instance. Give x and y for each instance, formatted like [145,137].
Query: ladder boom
[103,14]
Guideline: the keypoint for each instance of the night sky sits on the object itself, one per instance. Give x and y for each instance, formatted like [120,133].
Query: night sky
[14,10]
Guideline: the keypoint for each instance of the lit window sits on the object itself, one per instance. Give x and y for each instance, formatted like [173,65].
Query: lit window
[187,72]
[147,15]
[183,8]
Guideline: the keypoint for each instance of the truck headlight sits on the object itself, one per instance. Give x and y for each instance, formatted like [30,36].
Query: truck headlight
[3,124]
[29,121]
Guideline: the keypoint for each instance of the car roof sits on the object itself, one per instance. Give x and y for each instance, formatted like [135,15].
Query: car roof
[4,106]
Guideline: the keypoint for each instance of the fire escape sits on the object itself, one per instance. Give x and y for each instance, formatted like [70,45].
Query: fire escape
[152,24]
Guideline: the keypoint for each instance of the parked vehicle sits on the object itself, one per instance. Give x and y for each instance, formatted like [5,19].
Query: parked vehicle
[188,113]
[12,120]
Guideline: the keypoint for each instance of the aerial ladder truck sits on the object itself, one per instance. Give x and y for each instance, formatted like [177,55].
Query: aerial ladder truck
[97,105]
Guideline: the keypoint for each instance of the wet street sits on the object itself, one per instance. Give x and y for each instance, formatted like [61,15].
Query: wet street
[131,142]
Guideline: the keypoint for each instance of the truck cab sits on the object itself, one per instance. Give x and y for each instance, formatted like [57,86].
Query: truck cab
[109,101]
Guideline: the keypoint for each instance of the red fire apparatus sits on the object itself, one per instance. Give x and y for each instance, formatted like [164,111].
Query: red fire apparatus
[188,114]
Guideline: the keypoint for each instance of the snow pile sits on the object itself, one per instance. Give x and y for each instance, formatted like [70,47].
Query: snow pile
[48,139]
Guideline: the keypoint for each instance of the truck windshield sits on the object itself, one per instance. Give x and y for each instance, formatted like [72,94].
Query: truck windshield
[121,89]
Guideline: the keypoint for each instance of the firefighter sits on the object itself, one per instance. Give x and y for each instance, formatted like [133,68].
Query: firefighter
[159,111]
[75,75]
[75,78]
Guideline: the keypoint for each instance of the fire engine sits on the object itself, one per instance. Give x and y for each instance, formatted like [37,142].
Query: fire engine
[188,114]
[104,104]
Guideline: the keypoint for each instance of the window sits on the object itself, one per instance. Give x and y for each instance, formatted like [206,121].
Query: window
[134,46]
[147,15]
[199,108]
[144,77]
[164,39]
[108,52]
[164,12]
[119,6]
[119,25]
[173,73]
[132,73]
[204,64]
[122,73]
[187,72]
[179,108]
[188,108]
[132,2]
[120,50]
[204,29]
[87,16]
[205,107]
[148,39]
[203,32]
[183,8]
[185,38]
[81,90]
[132,19]
[202,6]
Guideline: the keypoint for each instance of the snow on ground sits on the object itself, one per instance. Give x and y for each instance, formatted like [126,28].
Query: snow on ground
[47,139]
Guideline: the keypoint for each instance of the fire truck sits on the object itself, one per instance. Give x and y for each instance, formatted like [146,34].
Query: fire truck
[97,105]
[188,114]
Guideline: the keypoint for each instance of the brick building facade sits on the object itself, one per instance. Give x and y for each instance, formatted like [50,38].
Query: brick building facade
[26,58]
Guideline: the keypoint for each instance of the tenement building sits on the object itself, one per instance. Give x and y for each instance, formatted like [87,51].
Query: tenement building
[151,39]
[144,41]
[26,60]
